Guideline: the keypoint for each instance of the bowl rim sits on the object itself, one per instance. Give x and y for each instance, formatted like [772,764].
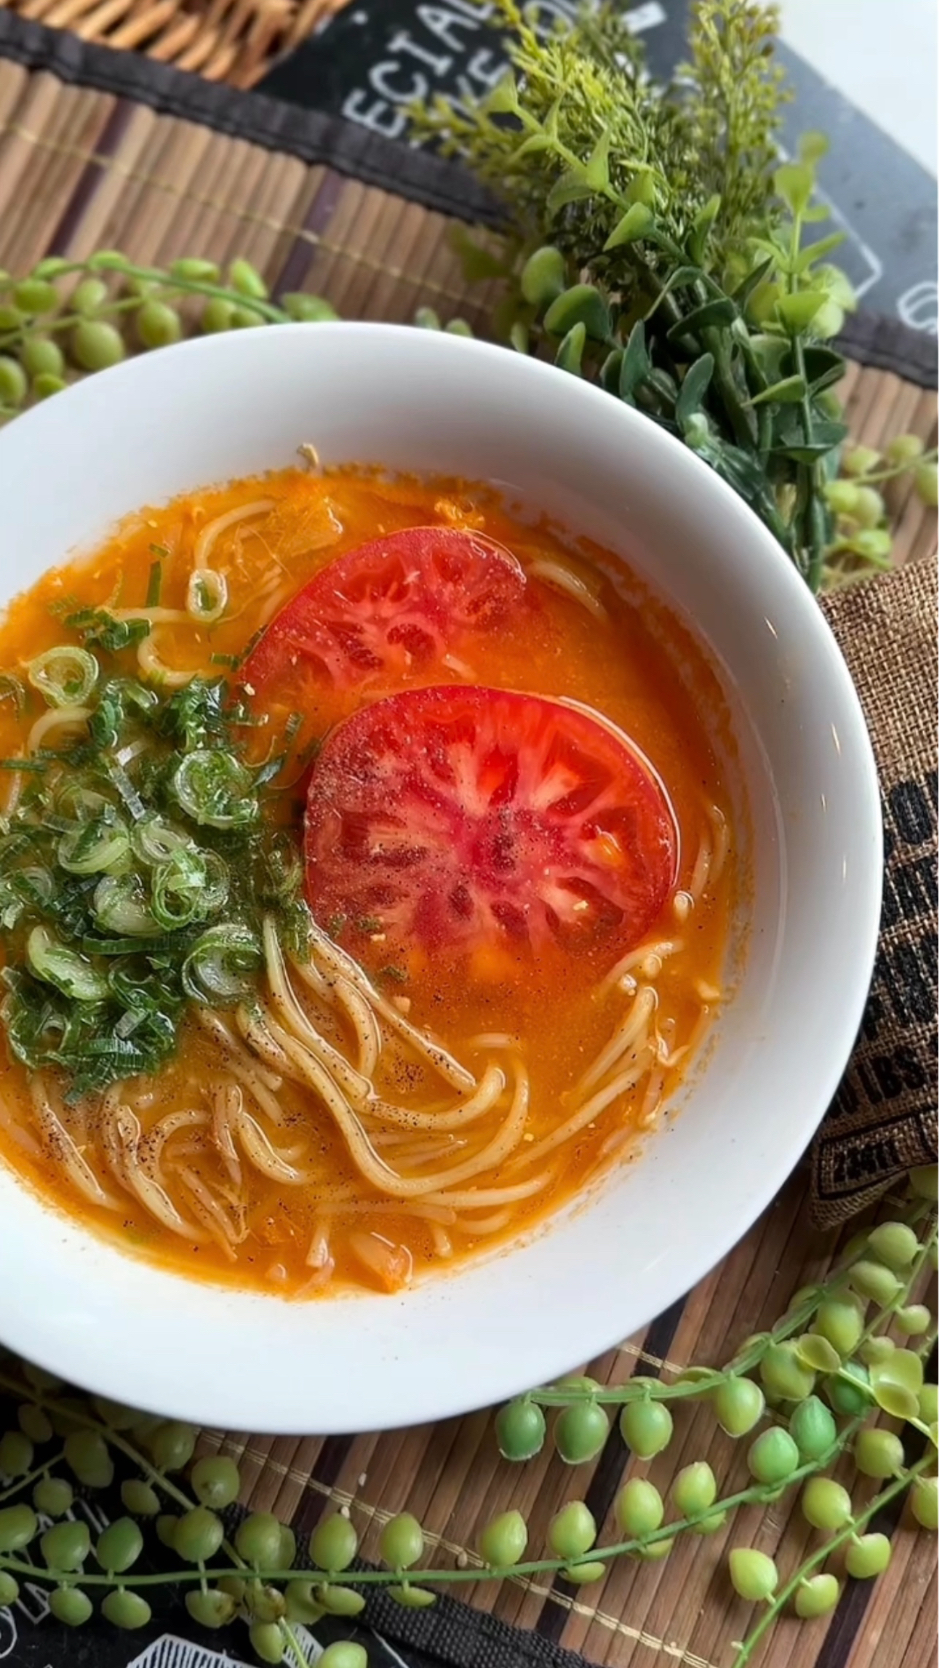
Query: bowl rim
[73,1355]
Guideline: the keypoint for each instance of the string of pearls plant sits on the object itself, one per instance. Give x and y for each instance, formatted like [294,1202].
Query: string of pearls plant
[71,318]
[803,1395]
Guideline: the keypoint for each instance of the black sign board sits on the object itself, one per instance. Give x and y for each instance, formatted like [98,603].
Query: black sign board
[375,56]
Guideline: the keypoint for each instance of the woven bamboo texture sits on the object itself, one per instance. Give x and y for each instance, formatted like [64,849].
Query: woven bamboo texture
[224,40]
[79,170]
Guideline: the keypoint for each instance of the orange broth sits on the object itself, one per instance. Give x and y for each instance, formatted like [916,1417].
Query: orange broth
[635,665]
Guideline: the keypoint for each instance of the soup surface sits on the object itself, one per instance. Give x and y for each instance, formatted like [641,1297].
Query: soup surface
[366,877]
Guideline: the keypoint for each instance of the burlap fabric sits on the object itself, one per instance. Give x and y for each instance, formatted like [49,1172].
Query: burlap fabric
[883,1119]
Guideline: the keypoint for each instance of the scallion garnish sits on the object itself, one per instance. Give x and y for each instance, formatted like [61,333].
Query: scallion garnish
[64,676]
[155,580]
[206,595]
[135,867]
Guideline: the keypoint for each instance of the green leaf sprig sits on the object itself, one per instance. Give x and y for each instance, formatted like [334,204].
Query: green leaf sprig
[802,1396]
[656,246]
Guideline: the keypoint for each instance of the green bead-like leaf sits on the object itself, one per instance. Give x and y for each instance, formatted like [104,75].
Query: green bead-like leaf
[191,268]
[581,304]
[816,1596]
[107,260]
[816,1352]
[18,1525]
[412,1598]
[581,1575]
[812,1428]
[308,309]
[896,1383]
[895,1400]
[902,1366]
[753,1574]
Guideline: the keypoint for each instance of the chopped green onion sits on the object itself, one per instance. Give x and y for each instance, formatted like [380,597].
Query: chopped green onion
[206,595]
[92,848]
[80,803]
[21,889]
[217,882]
[126,789]
[120,905]
[194,715]
[214,789]
[102,630]
[122,852]
[178,890]
[126,946]
[64,676]
[154,841]
[120,700]
[12,689]
[57,965]
[215,966]
[155,580]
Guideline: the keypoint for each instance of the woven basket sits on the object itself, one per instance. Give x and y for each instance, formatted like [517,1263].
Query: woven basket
[224,40]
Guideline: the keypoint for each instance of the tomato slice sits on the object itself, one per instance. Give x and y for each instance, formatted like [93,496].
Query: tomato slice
[390,609]
[462,818]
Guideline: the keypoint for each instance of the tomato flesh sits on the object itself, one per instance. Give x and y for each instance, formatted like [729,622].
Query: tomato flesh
[460,818]
[389,611]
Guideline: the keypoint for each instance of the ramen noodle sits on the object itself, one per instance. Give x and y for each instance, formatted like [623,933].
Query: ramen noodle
[366,877]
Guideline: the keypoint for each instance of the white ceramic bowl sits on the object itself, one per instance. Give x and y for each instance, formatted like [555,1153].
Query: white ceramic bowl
[234,405]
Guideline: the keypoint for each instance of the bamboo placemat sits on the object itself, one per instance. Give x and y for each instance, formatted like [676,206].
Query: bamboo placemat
[82,167]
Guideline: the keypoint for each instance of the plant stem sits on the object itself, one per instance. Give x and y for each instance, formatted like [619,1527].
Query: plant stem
[158,1478]
[875,477]
[31,1477]
[197,286]
[541,1566]
[884,1315]
[299,1653]
[65,321]
[795,1581]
